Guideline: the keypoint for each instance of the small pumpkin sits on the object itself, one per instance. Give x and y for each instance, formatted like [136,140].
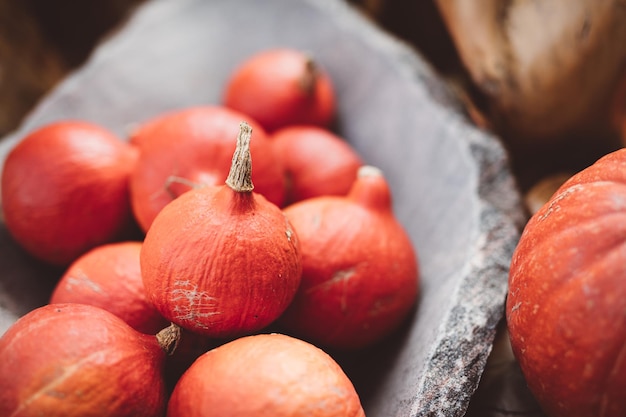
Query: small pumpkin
[316,161]
[360,275]
[222,261]
[265,375]
[280,87]
[74,360]
[567,295]
[192,147]
[65,190]
[109,277]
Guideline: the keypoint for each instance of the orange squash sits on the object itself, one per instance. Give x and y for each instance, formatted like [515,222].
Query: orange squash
[316,161]
[74,360]
[109,277]
[265,375]
[281,87]
[222,261]
[193,147]
[65,190]
[360,275]
[567,295]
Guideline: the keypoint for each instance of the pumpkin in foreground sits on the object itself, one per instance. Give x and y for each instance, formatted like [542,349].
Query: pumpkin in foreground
[222,261]
[567,297]
[73,360]
[265,375]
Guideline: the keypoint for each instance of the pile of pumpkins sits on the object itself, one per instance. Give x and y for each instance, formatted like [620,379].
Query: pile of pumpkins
[264,241]
[254,217]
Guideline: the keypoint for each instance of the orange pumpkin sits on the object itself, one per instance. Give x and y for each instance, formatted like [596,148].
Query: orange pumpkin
[109,277]
[65,190]
[360,275]
[74,360]
[265,375]
[193,147]
[316,161]
[281,87]
[222,261]
[567,295]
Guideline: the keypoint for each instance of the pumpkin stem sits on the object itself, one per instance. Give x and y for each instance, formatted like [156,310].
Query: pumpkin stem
[369,171]
[169,338]
[240,175]
[371,189]
[309,77]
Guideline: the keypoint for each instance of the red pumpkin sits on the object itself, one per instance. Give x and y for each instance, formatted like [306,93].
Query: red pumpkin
[222,261]
[65,190]
[265,375]
[359,267]
[109,277]
[281,87]
[193,147]
[317,162]
[567,295]
[73,360]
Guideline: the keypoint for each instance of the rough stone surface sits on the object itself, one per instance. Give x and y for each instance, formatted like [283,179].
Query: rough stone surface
[451,183]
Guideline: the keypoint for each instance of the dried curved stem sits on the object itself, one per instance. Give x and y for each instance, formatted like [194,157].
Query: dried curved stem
[240,175]
[169,338]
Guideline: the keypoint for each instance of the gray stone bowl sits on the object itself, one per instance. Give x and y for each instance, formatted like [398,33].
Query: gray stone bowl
[452,186]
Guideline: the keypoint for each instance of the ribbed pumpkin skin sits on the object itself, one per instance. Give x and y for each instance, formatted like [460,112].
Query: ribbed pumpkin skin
[265,375]
[109,277]
[567,295]
[72,360]
[279,87]
[221,263]
[360,275]
[196,145]
[65,190]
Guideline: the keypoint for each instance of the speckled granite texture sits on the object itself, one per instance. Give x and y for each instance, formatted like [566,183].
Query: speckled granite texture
[451,182]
